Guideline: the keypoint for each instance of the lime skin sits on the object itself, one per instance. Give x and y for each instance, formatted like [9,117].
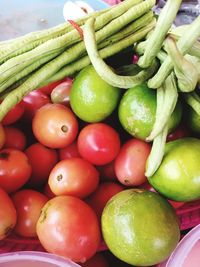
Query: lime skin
[140,227]
[91,98]
[137,111]
[178,177]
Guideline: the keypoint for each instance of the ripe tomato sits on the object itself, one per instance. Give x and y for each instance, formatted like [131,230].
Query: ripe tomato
[180,132]
[107,172]
[98,199]
[48,192]
[47,89]
[15,169]
[131,161]
[69,227]
[70,151]
[55,126]
[8,214]
[42,159]
[75,177]
[99,143]
[98,260]
[15,138]
[32,102]
[2,136]
[14,114]
[60,94]
[28,204]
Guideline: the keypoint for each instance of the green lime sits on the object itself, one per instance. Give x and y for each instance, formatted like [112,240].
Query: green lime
[140,227]
[91,98]
[137,111]
[177,178]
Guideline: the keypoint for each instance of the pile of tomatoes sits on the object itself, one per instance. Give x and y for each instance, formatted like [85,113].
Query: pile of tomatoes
[57,172]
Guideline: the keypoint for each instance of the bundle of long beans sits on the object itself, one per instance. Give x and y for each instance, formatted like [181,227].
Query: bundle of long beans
[39,58]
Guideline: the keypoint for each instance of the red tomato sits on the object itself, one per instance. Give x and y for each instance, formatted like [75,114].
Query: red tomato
[15,169]
[61,92]
[2,136]
[14,114]
[75,177]
[32,102]
[47,89]
[131,161]
[98,260]
[42,160]
[55,126]
[69,227]
[180,132]
[8,214]
[28,204]
[48,192]
[15,138]
[107,172]
[99,143]
[70,151]
[100,197]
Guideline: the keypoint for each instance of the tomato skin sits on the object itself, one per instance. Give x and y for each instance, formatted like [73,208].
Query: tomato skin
[2,136]
[48,192]
[98,199]
[99,143]
[180,132]
[76,177]
[69,227]
[15,169]
[98,260]
[28,204]
[55,126]
[8,214]
[60,94]
[107,172]
[47,89]
[15,138]
[32,102]
[70,151]
[131,161]
[42,159]
[14,114]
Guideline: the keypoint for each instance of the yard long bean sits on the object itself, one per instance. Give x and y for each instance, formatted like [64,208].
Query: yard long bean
[52,71]
[77,50]
[169,96]
[155,40]
[184,45]
[32,40]
[103,69]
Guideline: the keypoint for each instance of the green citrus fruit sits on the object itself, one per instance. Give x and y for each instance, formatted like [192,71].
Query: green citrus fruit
[137,111]
[140,227]
[91,98]
[178,177]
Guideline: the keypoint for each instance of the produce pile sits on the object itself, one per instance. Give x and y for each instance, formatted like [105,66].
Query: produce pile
[99,133]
